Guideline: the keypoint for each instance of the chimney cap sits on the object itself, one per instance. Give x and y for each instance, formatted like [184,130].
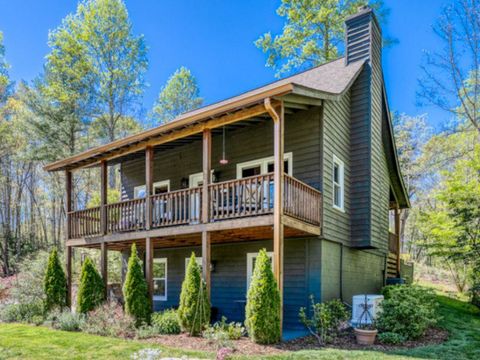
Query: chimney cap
[363,8]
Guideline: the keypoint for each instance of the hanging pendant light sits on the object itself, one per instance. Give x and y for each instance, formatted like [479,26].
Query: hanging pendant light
[223,160]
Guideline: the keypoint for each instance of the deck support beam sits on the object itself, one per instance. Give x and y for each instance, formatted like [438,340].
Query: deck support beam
[148,186]
[149,267]
[68,233]
[103,196]
[207,167]
[104,266]
[277,114]
[68,267]
[397,235]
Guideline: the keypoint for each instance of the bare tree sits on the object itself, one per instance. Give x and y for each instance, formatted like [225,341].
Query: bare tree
[451,78]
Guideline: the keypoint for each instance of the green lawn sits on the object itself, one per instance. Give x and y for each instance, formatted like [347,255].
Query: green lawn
[30,342]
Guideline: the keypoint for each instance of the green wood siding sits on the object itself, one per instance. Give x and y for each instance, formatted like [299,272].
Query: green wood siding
[336,141]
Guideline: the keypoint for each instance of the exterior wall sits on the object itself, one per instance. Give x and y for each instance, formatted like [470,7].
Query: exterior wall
[302,138]
[229,283]
[336,141]
[351,273]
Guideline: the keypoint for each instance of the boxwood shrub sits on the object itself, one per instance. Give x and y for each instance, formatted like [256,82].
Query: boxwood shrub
[166,322]
[407,310]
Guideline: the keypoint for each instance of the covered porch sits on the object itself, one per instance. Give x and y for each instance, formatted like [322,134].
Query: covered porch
[271,205]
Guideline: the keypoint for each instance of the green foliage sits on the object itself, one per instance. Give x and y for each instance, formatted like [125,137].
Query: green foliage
[113,196]
[222,332]
[312,33]
[109,320]
[325,319]
[391,338]
[135,291]
[194,309]
[166,322]
[178,96]
[91,291]
[55,283]
[26,287]
[66,320]
[262,318]
[145,331]
[453,225]
[407,310]
[25,312]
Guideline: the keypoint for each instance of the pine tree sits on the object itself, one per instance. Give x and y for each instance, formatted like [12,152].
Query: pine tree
[91,291]
[55,283]
[263,303]
[135,291]
[194,309]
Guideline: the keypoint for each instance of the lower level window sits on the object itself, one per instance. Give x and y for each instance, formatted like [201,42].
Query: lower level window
[251,259]
[160,279]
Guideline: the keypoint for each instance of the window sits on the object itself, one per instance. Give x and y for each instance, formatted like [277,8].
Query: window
[160,279]
[251,258]
[391,221]
[159,187]
[338,184]
[199,262]
[263,166]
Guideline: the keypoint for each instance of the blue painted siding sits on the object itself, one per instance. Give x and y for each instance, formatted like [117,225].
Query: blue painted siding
[229,280]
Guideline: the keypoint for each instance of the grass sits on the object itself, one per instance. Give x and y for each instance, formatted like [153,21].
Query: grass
[19,341]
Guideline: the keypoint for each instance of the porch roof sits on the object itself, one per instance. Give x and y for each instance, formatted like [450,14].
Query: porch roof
[326,81]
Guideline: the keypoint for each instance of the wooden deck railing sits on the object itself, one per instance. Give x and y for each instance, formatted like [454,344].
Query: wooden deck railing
[302,201]
[251,196]
[84,223]
[241,197]
[177,207]
[126,216]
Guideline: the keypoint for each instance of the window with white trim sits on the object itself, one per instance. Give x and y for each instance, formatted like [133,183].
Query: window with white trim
[338,183]
[251,259]
[160,279]
[263,166]
[159,187]
[197,259]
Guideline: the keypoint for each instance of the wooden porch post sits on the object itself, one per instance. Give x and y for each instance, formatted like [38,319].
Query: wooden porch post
[104,266]
[397,234]
[149,267]
[68,203]
[148,186]
[277,115]
[103,196]
[207,167]
[68,233]
[68,266]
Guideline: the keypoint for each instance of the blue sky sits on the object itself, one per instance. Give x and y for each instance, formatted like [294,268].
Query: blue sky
[214,38]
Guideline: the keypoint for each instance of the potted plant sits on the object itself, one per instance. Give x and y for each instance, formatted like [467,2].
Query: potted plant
[366,331]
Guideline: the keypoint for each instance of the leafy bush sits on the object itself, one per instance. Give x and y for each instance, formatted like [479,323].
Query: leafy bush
[263,303]
[194,309]
[55,283]
[145,331]
[221,333]
[135,291]
[391,338]
[166,322]
[109,320]
[325,319]
[407,310]
[27,312]
[26,288]
[66,320]
[91,291]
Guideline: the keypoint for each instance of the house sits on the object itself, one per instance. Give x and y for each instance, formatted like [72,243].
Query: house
[305,167]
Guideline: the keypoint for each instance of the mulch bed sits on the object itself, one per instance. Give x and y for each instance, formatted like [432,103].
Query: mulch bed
[345,341]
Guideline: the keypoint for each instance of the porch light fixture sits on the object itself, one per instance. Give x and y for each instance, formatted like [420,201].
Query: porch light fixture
[223,160]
